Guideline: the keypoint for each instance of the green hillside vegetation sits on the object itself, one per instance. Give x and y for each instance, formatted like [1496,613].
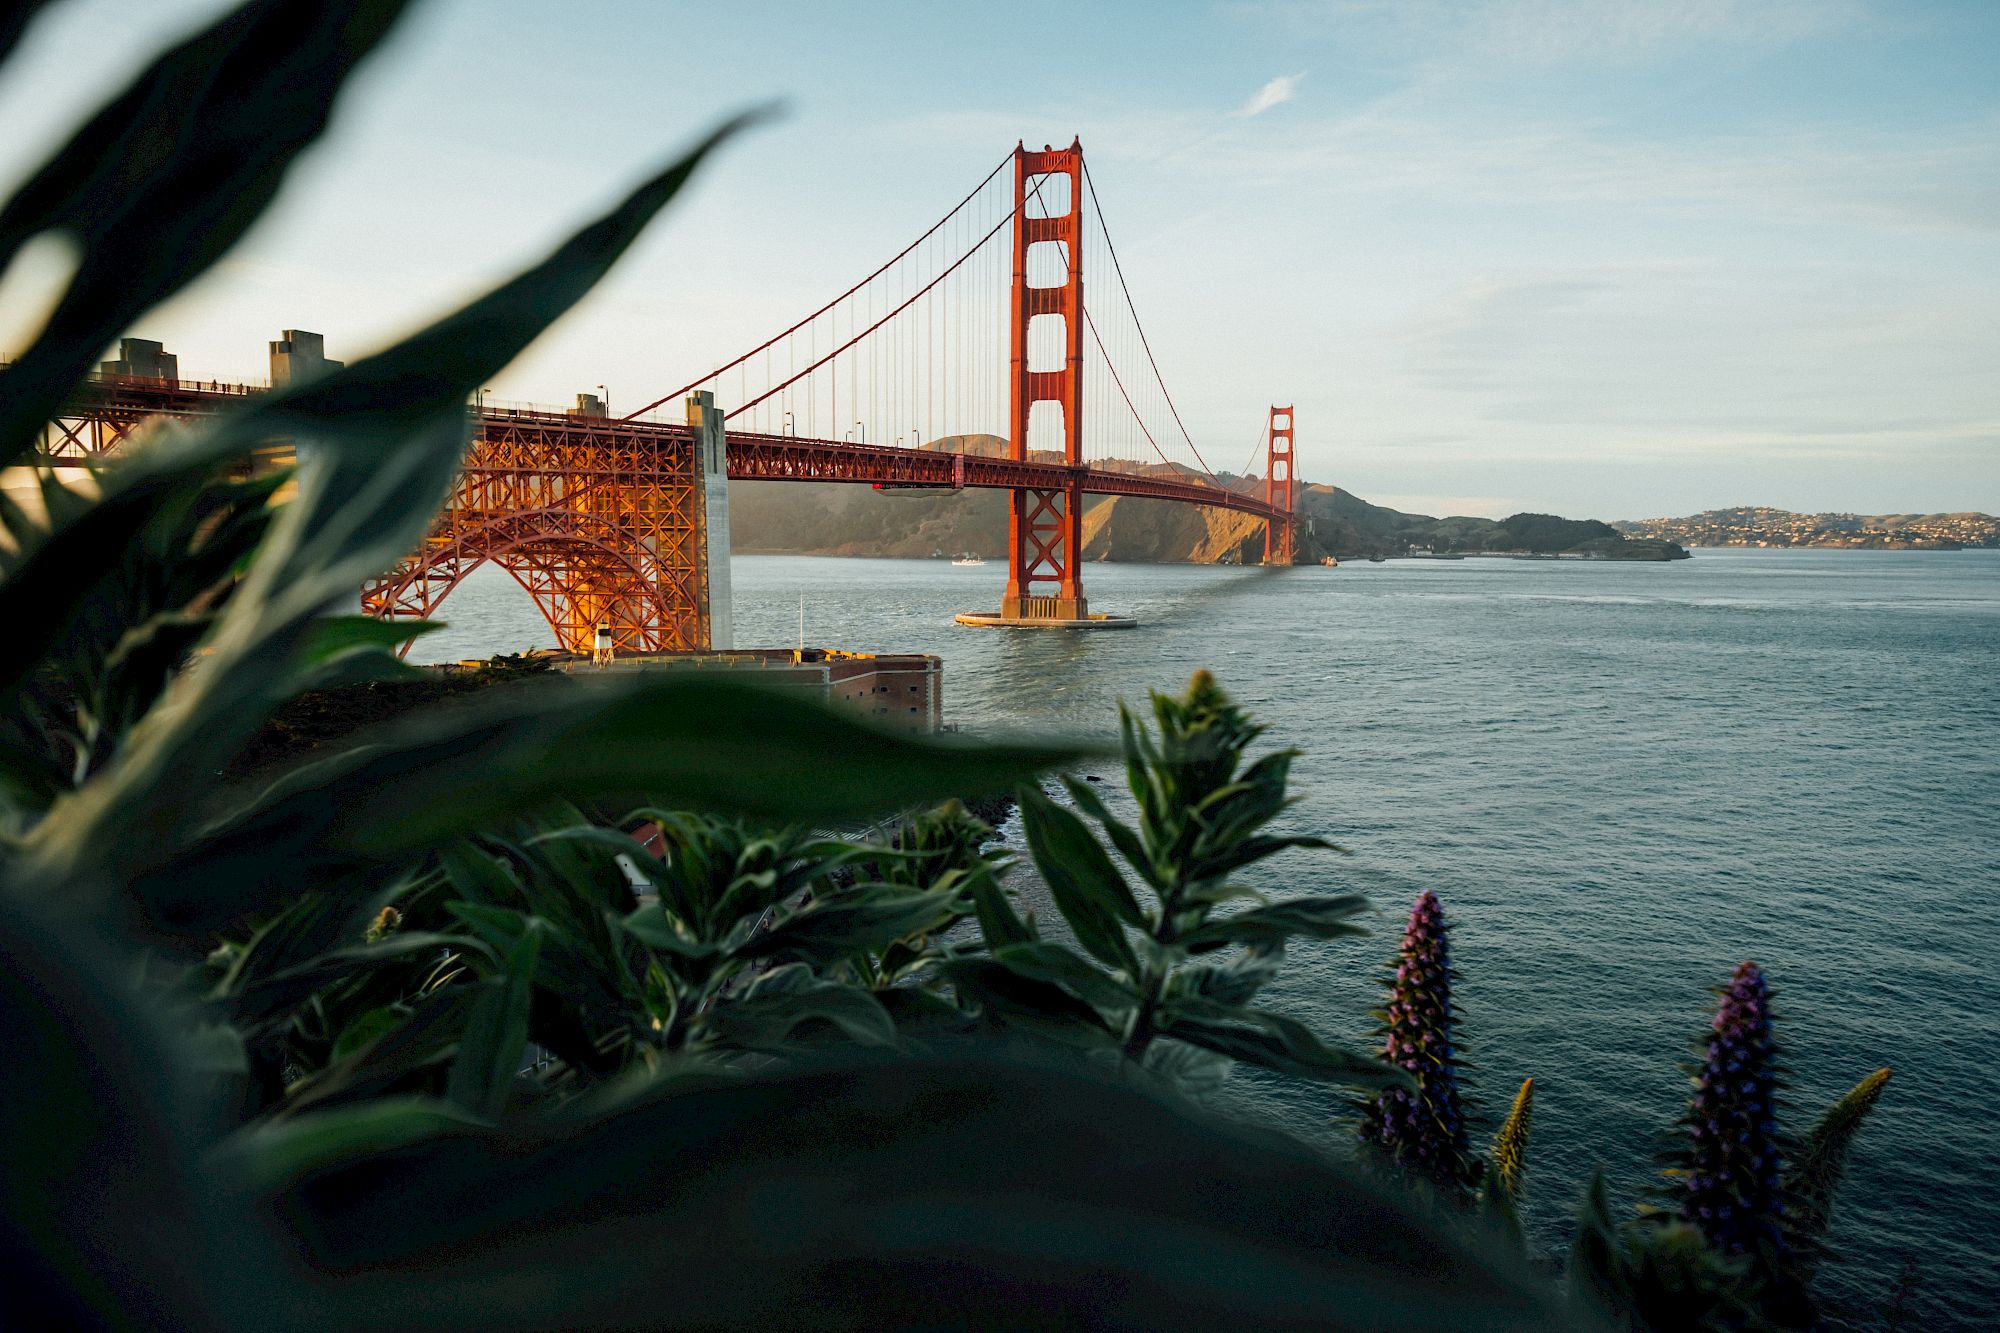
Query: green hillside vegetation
[824,518]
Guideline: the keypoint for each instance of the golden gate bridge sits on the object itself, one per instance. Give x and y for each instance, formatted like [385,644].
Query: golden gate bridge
[907,379]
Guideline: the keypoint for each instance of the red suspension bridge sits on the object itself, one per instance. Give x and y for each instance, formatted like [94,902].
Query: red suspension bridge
[906,379]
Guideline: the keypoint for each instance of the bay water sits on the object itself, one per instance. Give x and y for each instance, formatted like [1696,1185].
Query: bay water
[1622,779]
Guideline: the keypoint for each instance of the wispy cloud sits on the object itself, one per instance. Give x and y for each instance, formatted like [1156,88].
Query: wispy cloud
[1275,93]
[1450,37]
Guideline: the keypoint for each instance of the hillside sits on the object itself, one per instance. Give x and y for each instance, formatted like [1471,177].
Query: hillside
[825,518]
[1756,525]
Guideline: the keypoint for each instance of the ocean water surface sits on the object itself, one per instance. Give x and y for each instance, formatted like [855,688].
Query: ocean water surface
[1623,779]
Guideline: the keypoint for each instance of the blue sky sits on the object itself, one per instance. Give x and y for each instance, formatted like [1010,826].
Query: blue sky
[1603,257]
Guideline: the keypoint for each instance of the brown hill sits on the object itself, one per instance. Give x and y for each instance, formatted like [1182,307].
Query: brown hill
[824,518]
[828,518]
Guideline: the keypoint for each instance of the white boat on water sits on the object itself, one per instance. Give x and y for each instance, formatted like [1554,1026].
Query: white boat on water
[968,560]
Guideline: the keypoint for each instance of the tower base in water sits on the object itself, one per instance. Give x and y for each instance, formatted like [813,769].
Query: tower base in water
[1089,620]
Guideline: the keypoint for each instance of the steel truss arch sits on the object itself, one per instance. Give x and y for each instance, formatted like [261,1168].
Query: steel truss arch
[580,571]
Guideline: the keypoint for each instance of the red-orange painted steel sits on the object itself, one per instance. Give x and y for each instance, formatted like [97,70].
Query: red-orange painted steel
[1280,490]
[1045,525]
[599,520]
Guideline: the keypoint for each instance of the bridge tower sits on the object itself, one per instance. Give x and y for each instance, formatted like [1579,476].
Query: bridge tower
[1280,489]
[1045,527]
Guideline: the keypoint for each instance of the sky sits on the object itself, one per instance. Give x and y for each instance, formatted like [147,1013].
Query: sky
[1605,258]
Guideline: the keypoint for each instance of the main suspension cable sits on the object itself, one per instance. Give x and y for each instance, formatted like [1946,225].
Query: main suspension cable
[744,407]
[657,402]
[1119,269]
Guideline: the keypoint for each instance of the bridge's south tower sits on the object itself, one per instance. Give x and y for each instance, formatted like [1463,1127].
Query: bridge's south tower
[1045,528]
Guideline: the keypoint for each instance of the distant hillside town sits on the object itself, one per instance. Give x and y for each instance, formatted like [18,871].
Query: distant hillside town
[1757,525]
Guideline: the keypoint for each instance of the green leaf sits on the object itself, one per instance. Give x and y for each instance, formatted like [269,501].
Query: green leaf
[1317,918]
[1236,980]
[497,928]
[1059,966]
[1248,848]
[368,1027]
[428,1039]
[278,1151]
[999,923]
[1597,1280]
[1275,1042]
[1126,839]
[1233,811]
[860,920]
[785,997]
[166,177]
[1050,1197]
[105,1142]
[696,740]
[489,1054]
[477,874]
[298,936]
[332,636]
[1014,1000]
[379,444]
[1090,893]
[649,925]
[46,586]
[255,1001]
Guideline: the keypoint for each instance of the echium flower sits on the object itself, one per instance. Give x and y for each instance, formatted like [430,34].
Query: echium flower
[1423,1131]
[1732,1189]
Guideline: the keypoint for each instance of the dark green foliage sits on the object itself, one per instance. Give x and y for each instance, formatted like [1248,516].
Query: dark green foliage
[449,772]
[1152,979]
[1548,533]
[1346,525]
[166,178]
[1422,1129]
[457,1054]
[105,1220]
[1662,1278]
[862,1194]
[965,1193]
[82,671]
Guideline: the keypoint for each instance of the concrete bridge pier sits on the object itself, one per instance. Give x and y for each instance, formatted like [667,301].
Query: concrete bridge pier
[711,450]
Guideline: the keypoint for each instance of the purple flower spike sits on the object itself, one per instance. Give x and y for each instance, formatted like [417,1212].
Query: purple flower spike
[1734,1183]
[1424,1132]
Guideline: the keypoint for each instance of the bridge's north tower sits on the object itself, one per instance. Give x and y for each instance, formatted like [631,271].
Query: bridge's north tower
[1280,489]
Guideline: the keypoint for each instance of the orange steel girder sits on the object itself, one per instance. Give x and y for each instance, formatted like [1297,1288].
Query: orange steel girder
[1045,527]
[602,518]
[1280,490]
[599,520]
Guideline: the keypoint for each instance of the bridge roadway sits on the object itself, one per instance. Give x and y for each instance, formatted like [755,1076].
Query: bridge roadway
[112,406]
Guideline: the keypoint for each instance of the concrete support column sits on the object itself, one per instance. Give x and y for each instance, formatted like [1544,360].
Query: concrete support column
[711,461]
